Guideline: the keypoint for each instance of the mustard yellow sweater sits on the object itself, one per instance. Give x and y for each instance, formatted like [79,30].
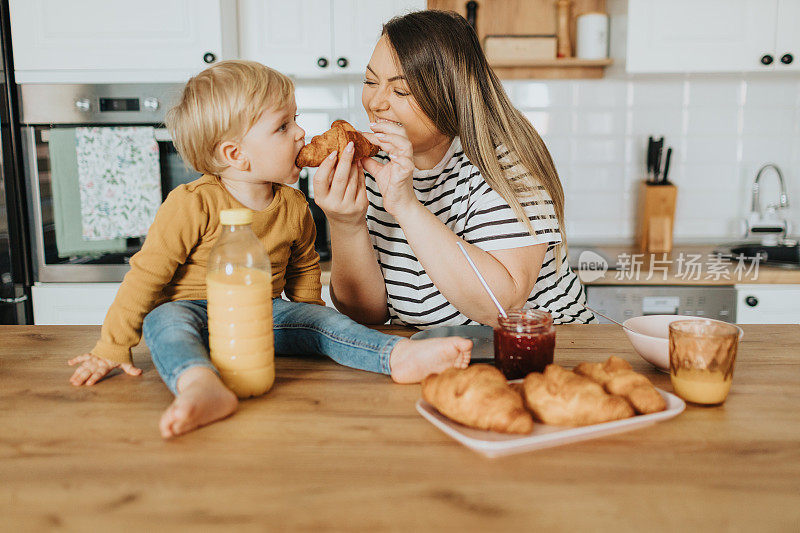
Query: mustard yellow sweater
[172,262]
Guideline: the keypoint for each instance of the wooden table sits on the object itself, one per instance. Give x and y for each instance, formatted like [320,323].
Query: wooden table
[334,448]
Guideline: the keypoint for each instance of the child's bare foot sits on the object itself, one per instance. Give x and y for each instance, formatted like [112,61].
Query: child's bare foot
[411,361]
[202,399]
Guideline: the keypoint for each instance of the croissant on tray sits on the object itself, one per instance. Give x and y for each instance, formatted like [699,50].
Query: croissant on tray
[617,377]
[478,397]
[336,138]
[563,398]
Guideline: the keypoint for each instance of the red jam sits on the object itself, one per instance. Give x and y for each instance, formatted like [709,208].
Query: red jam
[524,342]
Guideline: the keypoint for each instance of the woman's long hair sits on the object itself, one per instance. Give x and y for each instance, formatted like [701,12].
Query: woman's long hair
[455,87]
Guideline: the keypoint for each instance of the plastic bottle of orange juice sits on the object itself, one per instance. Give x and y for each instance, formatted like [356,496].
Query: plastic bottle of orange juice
[239,283]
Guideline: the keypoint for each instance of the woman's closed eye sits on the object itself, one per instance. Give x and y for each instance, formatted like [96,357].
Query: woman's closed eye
[371,83]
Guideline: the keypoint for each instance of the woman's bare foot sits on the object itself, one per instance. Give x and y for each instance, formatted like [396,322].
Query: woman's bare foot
[202,399]
[411,361]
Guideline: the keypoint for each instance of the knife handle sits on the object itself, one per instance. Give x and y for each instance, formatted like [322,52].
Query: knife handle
[472,9]
[666,166]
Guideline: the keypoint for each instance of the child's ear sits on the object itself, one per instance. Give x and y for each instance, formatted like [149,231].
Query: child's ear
[233,156]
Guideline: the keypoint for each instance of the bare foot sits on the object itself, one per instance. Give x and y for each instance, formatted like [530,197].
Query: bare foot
[411,361]
[202,399]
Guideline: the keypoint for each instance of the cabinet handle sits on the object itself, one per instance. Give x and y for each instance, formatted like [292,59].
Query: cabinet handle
[209,57]
[787,59]
[766,59]
[752,301]
[322,62]
[342,62]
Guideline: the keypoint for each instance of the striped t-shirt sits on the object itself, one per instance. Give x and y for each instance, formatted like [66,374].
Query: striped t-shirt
[455,191]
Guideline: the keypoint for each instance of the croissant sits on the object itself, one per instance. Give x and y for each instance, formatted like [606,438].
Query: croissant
[617,377]
[478,397]
[562,398]
[336,138]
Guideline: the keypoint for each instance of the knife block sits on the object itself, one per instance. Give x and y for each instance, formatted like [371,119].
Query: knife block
[656,217]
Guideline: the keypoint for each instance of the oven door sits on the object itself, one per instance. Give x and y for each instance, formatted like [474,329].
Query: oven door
[51,265]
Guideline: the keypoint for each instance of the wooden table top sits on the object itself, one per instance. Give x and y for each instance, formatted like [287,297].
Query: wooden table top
[335,448]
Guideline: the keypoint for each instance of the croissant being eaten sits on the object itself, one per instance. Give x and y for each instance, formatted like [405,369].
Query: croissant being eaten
[336,138]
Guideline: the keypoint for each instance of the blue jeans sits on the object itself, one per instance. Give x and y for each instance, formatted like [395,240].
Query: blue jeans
[177,335]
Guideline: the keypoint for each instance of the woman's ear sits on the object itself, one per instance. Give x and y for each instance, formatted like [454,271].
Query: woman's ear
[232,155]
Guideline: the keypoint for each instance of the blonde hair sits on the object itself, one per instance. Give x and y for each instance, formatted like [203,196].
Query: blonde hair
[222,103]
[455,87]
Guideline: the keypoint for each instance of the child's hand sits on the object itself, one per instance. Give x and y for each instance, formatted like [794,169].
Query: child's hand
[93,368]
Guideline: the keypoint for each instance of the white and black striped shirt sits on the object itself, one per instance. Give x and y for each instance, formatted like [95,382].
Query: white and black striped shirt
[455,191]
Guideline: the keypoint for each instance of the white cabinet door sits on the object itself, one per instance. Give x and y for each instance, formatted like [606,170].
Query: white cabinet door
[788,36]
[357,27]
[768,304]
[701,35]
[72,303]
[98,41]
[315,38]
[292,37]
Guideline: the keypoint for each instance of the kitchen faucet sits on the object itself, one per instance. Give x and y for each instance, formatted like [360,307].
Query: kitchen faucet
[770,226]
[783,200]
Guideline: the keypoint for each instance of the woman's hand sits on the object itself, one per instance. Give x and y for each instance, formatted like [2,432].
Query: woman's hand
[395,179]
[339,189]
[92,369]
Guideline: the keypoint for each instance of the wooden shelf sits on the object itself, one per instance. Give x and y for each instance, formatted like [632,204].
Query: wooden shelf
[531,17]
[564,62]
[564,68]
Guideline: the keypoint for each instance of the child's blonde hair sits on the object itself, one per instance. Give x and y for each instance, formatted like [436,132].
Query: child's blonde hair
[222,103]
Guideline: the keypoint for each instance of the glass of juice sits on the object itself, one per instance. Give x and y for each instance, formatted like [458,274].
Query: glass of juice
[524,342]
[702,354]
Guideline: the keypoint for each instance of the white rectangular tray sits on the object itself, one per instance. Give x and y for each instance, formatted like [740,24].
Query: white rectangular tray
[493,444]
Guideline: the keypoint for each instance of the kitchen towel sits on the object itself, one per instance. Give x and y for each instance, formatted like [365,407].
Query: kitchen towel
[67,199]
[120,180]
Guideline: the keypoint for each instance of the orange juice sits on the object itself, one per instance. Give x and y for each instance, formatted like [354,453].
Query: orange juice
[239,287]
[701,386]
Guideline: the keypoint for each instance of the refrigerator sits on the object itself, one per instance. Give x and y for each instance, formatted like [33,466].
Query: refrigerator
[15,259]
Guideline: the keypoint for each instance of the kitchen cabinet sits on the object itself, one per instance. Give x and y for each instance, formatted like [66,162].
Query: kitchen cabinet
[85,303]
[787,38]
[767,304]
[72,303]
[713,36]
[315,38]
[96,41]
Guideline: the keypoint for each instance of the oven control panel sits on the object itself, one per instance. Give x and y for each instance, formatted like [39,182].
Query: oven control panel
[123,103]
[622,302]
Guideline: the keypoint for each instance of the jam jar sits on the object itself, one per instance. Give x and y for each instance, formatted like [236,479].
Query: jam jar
[524,342]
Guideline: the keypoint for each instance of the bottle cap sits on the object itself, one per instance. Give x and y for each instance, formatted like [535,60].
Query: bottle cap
[236,217]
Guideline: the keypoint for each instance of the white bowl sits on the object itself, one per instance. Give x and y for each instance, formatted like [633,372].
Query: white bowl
[650,336]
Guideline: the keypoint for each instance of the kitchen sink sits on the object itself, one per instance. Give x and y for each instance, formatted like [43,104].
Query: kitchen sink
[785,255]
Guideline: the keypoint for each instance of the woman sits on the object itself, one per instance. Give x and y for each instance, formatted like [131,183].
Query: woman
[459,164]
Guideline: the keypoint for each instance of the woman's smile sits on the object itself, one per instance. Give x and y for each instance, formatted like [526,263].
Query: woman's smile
[379,120]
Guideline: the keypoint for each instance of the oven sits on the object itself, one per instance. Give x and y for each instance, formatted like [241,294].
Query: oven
[49,108]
